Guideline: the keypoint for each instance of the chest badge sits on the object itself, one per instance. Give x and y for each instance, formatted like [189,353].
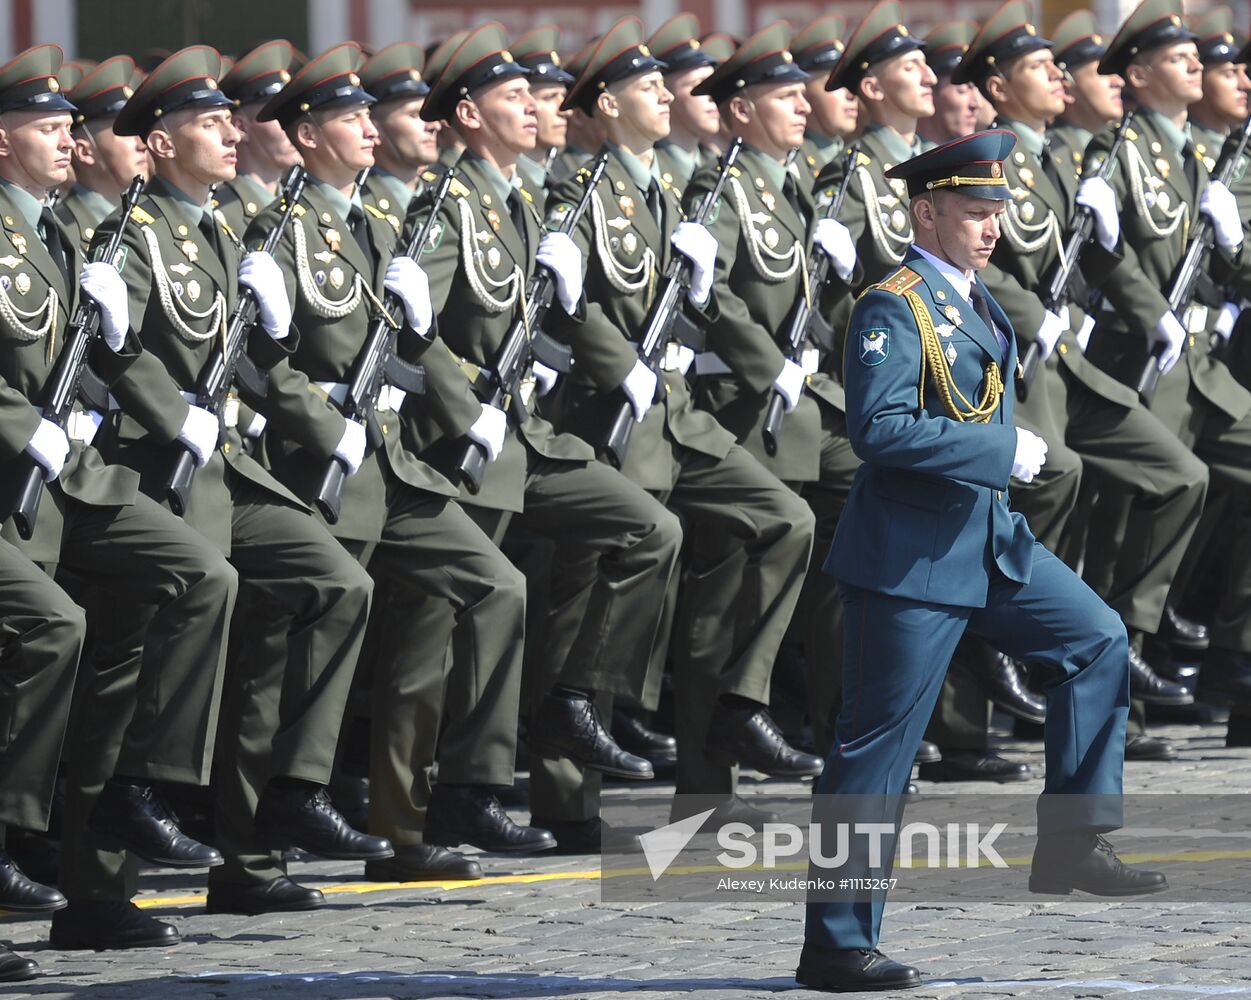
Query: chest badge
[1163,167]
[952,314]
[1027,177]
[950,354]
[1027,211]
[770,202]
[180,269]
[874,346]
[629,243]
[19,243]
[22,282]
[336,277]
[333,240]
[493,257]
[771,238]
[627,206]
[9,261]
[493,217]
[325,256]
[193,289]
[190,250]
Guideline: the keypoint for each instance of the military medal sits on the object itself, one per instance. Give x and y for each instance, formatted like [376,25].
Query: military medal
[952,314]
[19,241]
[951,354]
[180,269]
[1162,167]
[770,202]
[22,282]
[629,243]
[493,257]
[193,289]
[627,205]
[771,238]
[493,217]
[1027,211]
[190,250]
[898,186]
[325,256]
[333,239]
[1027,177]
[336,277]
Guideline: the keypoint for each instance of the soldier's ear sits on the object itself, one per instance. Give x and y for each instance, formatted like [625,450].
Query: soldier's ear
[924,213]
[741,110]
[161,144]
[608,105]
[84,150]
[1137,75]
[305,134]
[870,90]
[6,148]
[467,115]
[995,88]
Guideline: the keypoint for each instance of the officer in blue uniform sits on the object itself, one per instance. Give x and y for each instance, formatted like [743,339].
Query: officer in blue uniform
[929,547]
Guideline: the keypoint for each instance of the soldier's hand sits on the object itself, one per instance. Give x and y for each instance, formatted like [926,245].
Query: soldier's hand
[640,388]
[49,447]
[1219,204]
[199,432]
[1083,335]
[405,279]
[1226,319]
[835,239]
[561,255]
[1097,195]
[101,282]
[790,383]
[351,447]
[544,378]
[699,246]
[260,272]
[1170,333]
[1031,454]
[489,431]
[1053,325]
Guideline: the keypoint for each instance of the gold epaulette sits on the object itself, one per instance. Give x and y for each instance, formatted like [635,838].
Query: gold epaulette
[901,281]
[429,176]
[142,217]
[374,212]
[458,190]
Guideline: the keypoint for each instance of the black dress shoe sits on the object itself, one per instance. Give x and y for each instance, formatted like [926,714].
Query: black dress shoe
[1147,685]
[586,836]
[1067,861]
[278,895]
[973,765]
[1225,675]
[303,817]
[423,863]
[569,726]
[107,925]
[744,734]
[471,814]
[135,818]
[1183,633]
[1149,748]
[634,737]
[1238,732]
[853,970]
[21,895]
[15,969]
[1002,679]
[927,753]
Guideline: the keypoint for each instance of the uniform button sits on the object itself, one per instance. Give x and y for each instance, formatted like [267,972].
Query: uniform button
[1192,341]
[384,429]
[226,448]
[1064,348]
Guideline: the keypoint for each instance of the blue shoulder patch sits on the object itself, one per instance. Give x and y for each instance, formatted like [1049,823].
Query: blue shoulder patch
[874,346]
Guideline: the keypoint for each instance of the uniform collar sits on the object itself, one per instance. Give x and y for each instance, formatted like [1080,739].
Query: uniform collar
[774,172]
[958,279]
[393,186]
[895,144]
[1080,135]
[639,172]
[194,211]
[1175,136]
[1031,140]
[1210,139]
[501,185]
[93,203]
[340,202]
[686,161]
[27,204]
[532,173]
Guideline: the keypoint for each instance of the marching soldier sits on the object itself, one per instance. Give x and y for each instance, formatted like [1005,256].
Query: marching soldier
[1071,400]
[928,548]
[104,162]
[397,514]
[265,153]
[835,113]
[582,132]
[602,620]
[450,144]
[538,51]
[957,106]
[306,602]
[693,119]
[164,628]
[751,535]
[1161,187]
[1093,99]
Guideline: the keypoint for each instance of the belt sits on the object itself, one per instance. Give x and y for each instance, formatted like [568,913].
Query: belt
[230,413]
[389,397]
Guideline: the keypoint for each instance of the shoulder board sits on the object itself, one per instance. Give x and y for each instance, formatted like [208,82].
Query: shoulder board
[863,159]
[377,214]
[458,190]
[1131,135]
[429,176]
[899,282]
[735,172]
[141,216]
[583,173]
[526,194]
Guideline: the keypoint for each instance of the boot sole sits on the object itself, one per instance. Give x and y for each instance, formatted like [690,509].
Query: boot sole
[819,982]
[1061,889]
[454,840]
[1017,713]
[105,842]
[84,944]
[246,911]
[11,907]
[551,753]
[728,759]
[942,777]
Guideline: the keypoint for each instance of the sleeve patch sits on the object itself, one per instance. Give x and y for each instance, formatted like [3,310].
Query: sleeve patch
[874,347]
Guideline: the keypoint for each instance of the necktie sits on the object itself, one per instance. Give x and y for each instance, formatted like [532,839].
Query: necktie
[208,229]
[356,223]
[517,214]
[51,234]
[1049,166]
[791,193]
[980,307]
[654,202]
[1191,161]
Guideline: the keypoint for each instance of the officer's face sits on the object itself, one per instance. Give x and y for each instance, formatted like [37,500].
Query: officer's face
[964,228]
[504,114]
[642,105]
[1225,93]
[906,84]
[1098,94]
[36,148]
[553,123]
[834,112]
[347,137]
[200,143]
[1168,77]
[955,108]
[1035,86]
[696,116]
[404,135]
[265,142]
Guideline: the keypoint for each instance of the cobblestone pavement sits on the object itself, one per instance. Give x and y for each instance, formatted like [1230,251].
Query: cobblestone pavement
[537,928]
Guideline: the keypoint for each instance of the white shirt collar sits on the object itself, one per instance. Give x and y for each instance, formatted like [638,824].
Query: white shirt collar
[959,280]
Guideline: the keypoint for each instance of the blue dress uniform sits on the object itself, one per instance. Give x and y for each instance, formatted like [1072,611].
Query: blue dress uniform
[929,547]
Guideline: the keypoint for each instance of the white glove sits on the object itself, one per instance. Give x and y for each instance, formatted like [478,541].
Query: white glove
[1083,335]
[1226,319]
[561,256]
[640,387]
[256,426]
[790,383]
[544,378]
[1219,204]
[1031,454]
[489,430]
[1053,325]
[1097,195]
[1172,335]
[259,272]
[835,239]
[49,447]
[199,433]
[405,278]
[685,358]
[351,447]
[101,282]
[699,246]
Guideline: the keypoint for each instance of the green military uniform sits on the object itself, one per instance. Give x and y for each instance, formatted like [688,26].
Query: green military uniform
[676,44]
[601,625]
[98,96]
[538,50]
[817,50]
[397,513]
[1158,183]
[676,452]
[285,698]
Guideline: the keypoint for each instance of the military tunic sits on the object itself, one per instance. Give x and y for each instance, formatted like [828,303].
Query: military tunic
[240,200]
[80,212]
